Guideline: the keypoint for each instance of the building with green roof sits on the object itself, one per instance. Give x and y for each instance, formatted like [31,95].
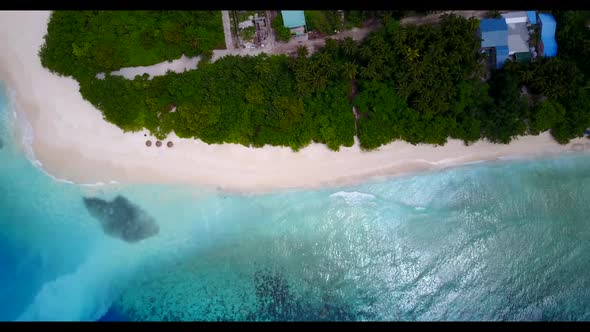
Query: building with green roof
[294,20]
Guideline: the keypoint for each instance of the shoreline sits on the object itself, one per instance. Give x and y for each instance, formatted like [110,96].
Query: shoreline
[73,143]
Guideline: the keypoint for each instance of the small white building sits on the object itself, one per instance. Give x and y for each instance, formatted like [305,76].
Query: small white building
[518,32]
[516,17]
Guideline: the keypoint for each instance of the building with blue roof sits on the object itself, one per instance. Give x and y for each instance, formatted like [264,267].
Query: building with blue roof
[502,54]
[494,40]
[548,45]
[532,15]
[293,19]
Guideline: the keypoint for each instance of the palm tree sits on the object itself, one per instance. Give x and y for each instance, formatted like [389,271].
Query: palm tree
[349,46]
[331,46]
[350,70]
[369,72]
[323,59]
[319,82]
[302,51]
[378,44]
[412,54]
[366,52]
[262,68]
[303,73]
[526,76]
[450,25]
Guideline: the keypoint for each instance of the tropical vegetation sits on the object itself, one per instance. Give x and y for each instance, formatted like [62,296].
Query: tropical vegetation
[83,43]
[421,84]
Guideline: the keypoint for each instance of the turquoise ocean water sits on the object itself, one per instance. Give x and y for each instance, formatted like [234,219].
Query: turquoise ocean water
[493,241]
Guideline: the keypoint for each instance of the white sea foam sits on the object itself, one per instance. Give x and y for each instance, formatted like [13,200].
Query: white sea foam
[100,278]
[25,128]
[27,136]
[98,184]
[475,162]
[353,197]
[510,158]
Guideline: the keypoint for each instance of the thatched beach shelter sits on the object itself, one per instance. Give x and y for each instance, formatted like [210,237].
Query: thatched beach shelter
[148,143]
[158,144]
[170,144]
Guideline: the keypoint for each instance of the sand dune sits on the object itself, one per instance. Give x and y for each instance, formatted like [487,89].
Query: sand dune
[73,142]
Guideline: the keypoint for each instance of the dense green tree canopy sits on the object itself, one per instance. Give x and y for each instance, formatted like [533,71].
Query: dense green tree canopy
[82,43]
[421,84]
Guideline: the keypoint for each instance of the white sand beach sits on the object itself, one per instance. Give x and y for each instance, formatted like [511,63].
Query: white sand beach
[73,142]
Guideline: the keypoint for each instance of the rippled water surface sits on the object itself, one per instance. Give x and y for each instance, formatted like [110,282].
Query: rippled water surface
[492,241]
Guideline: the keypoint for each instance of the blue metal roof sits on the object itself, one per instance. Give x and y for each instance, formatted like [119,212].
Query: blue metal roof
[502,54]
[493,24]
[502,49]
[547,18]
[494,32]
[548,26]
[532,15]
[494,38]
[293,18]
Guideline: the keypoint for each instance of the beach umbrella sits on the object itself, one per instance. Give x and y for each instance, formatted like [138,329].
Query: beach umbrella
[148,143]
[158,144]
[170,144]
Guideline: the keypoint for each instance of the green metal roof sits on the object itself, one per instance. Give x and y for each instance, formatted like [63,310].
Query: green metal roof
[293,18]
[523,56]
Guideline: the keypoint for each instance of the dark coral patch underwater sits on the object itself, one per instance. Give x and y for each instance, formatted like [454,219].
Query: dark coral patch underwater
[122,219]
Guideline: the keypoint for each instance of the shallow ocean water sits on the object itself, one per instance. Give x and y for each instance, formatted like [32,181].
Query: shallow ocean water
[492,241]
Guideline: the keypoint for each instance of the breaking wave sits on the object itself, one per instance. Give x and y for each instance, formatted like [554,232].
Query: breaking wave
[353,197]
